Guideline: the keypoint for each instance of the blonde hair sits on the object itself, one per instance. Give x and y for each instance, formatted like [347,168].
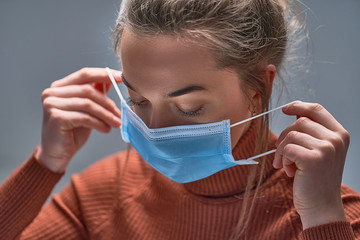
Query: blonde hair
[241,34]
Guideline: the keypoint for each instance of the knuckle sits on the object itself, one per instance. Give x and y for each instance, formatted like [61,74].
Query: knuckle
[345,135]
[46,93]
[48,103]
[328,147]
[316,107]
[292,106]
[86,119]
[111,105]
[302,120]
[86,103]
[110,102]
[55,116]
[292,135]
[340,140]
[287,150]
[336,140]
[83,72]
[318,156]
[53,84]
[87,89]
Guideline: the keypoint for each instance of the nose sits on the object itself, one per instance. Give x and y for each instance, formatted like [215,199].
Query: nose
[159,118]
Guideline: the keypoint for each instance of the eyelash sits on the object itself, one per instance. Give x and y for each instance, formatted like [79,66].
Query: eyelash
[132,103]
[194,113]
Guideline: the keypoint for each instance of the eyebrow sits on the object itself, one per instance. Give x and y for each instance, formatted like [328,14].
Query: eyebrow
[183,91]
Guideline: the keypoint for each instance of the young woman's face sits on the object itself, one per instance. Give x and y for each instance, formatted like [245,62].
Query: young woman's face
[172,82]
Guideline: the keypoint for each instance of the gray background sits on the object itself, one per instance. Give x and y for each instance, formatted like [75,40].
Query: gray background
[42,41]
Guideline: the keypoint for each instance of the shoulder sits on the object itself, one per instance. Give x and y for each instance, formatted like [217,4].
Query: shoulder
[93,193]
[113,170]
[104,182]
[96,190]
[348,191]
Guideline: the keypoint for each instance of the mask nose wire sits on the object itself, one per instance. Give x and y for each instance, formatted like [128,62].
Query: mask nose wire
[115,84]
[251,159]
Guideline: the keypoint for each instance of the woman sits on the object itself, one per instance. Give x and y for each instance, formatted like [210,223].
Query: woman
[186,63]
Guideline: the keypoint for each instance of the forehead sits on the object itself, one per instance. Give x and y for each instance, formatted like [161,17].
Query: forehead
[165,51]
[167,61]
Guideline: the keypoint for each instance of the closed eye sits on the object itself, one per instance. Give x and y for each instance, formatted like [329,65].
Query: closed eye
[194,113]
[132,103]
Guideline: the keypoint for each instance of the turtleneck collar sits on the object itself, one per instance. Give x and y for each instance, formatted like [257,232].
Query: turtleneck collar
[233,181]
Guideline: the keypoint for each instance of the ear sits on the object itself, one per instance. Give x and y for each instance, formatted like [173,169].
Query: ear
[267,77]
[270,72]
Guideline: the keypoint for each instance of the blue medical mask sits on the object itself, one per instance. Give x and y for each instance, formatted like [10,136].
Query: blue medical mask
[183,153]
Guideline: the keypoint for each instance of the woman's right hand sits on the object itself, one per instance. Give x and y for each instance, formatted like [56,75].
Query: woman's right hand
[73,106]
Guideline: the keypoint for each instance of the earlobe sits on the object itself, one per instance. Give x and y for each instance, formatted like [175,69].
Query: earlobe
[254,103]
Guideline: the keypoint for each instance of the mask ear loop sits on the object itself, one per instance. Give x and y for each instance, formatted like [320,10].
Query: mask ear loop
[114,84]
[112,79]
[251,159]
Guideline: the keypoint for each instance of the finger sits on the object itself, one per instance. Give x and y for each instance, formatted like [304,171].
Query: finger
[69,120]
[315,112]
[88,75]
[308,126]
[293,137]
[289,167]
[298,138]
[82,91]
[102,88]
[83,105]
[303,150]
[294,157]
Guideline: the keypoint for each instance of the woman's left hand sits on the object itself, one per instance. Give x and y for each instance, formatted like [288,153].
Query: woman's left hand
[313,151]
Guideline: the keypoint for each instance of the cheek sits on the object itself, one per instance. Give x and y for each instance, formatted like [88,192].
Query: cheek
[239,111]
[237,132]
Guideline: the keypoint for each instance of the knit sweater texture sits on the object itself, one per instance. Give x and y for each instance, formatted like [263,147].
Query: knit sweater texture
[122,197]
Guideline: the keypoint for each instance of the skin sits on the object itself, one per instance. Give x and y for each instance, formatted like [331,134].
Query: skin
[72,107]
[173,64]
[312,149]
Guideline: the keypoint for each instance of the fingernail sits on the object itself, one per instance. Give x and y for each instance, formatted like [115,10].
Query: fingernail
[118,112]
[275,161]
[117,122]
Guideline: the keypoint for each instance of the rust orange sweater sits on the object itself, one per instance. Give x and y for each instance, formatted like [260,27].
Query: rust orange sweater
[119,199]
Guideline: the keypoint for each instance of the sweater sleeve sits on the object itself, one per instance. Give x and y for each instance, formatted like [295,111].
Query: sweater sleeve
[22,196]
[336,230]
[342,230]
